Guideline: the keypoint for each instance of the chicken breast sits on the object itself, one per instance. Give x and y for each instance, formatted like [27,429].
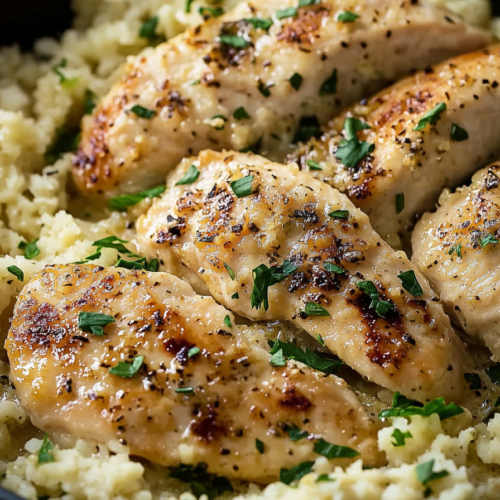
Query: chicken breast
[269,241]
[395,171]
[255,78]
[200,392]
[456,248]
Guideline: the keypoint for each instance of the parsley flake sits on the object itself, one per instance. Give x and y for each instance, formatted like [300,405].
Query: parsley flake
[493,373]
[122,202]
[410,283]
[458,134]
[18,273]
[313,165]
[30,250]
[260,446]
[296,434]
[382,307]
[474,380]
[277,359]
[142,112]
[331,451]
[241,114]
[431,117]
[234,41]
[227,321]
[404,407]
[231,273]
[235,296]
[296,81]
[457,249]
[400,437]
[188,6]
[93,322]
[333,268]
[339,214]
[288,476]
[66,141]
[265,277]
[323,478]
[288,12]
[320,340]
[313,309]
[46,454]
[425,474]
[351,150]
[127,370]
[148,32]
[211,11]
[306,3]
[308,128]
[347,17]
[184,390]
[259,22]
[264,89]
[329,86]
[489,239]
[189,177]
[65,82]
[242,187]
[193,352]
[89,101]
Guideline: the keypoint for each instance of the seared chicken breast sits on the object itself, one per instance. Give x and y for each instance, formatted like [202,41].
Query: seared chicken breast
[457,249]
[425,133]
[259,77]
[270,242]
[172,376]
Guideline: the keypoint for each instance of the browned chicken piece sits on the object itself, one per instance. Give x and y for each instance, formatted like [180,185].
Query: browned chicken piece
[397,171]
[270,242]
[171,376]
[457,249]
[256,77]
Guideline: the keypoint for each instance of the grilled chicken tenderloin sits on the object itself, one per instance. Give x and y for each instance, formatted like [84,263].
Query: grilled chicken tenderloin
[271,242]
[249,76]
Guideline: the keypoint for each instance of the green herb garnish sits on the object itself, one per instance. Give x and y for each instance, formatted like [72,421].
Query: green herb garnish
[400,203]
[288,12]
[260,446]
[351,150]
[30,250]
[65,82]
[235,296]
[189,177]
[400,437]
[339,214]
[184,390]
[259,22]
[493,373]
[458,133]
[382,307]
[122,202]
[241,114]
[127,370]
[242,187]
[296,434]
[148,32]
[329,86]
[308,128]
[46,454]
[489,239]
[143,112]
[231,273]
[331,451]
[66,141]
[296,81]
[234,41]
[457,249]
[93,322]
[89,102]
[333,268]
[313,165]
[193,351]
[265,277]
[425,475]
[347,17]
[432,117]
[18,273]
[474,380]
[211,11]
[227,321]
[410,283]
[313,309]
[288,476]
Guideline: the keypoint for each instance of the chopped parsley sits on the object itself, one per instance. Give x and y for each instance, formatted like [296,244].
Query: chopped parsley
[458,133]
[313,165]
[493,373]
[457,249]
[46,453]
[400,437]
[66,141]
[148,32]
[193,352]
[404,407]
[410,283]
[278,359]
[242,187]
[333,268]
[143,112]
[189,177]
[139,263]
[219,117]
[241,114]
[259,22]
[296,81]
[260,446]
[89,101]
[474,380]
[331,451]
[382,307]
[296,434]
[234,40]
[326,365]
[93,322]
[313,309]
[431,117]
[347,17]
[288,476]
[235,296]
[18,273]
[227,321]
[288,12]
[113,242]
[264,89]
[323,478]
[184,390]
[121,203]
[65,82]
[400,203]
[127,370]
[188,6]
[30,249]
[425,475]
[320,340]
[231,273]
[329,86]
[339,214]
[211,11]
[351,150]
[306,3]
[264,277]
[308,128]
[489,239]
[201,481]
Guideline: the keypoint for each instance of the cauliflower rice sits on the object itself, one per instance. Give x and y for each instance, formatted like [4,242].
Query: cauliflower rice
[37,201]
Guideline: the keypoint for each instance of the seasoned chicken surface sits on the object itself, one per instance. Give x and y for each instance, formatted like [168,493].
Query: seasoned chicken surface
[406,169]
[257,78]
[277,253]
[457,249]
[183,404]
